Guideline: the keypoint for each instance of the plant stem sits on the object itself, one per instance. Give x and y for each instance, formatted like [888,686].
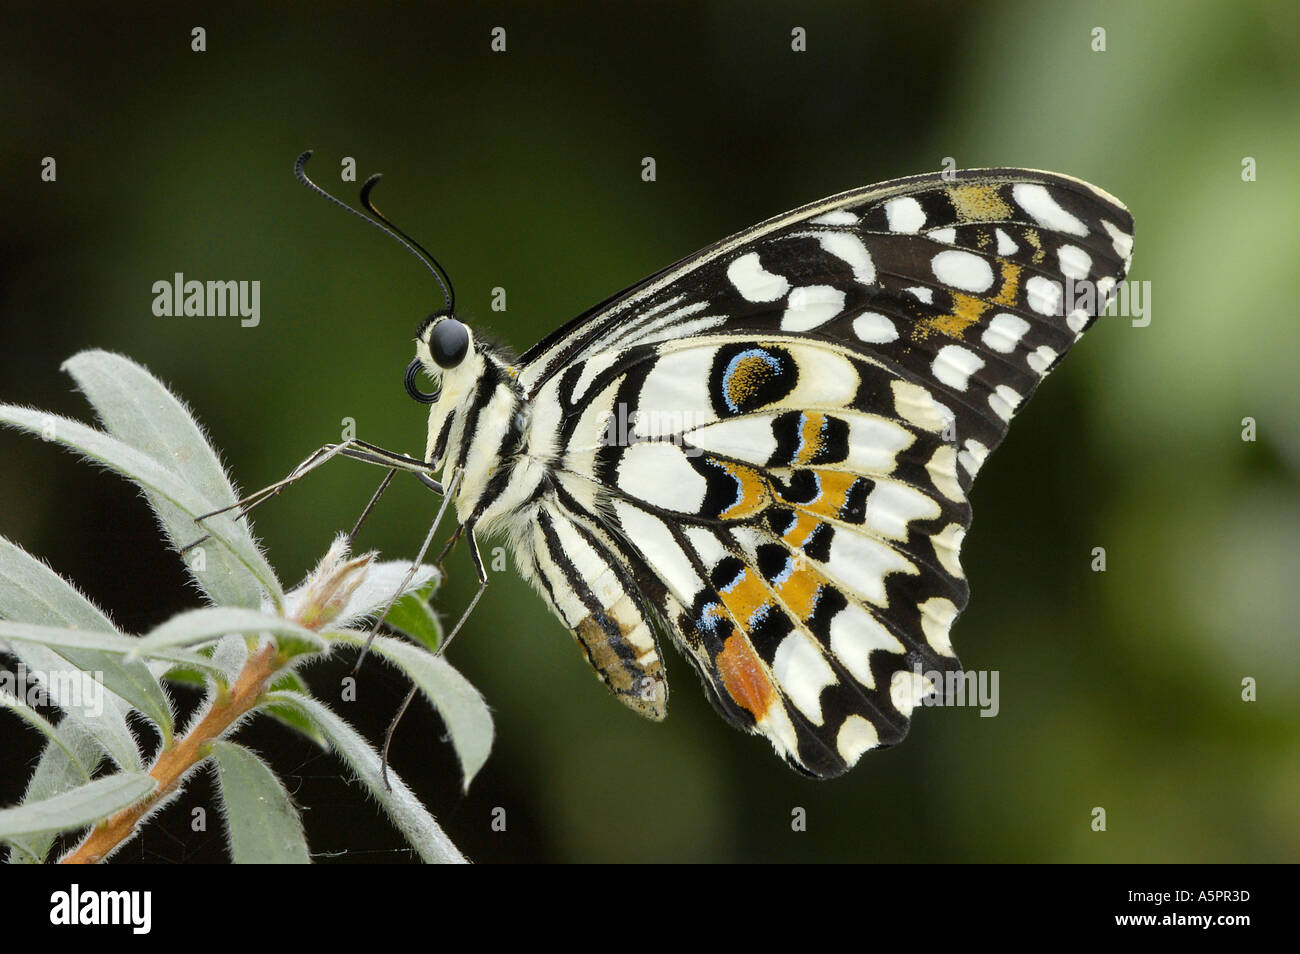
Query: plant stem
[174,763]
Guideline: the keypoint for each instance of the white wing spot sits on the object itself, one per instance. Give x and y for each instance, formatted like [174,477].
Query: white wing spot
[1041,359]
[874,328]
[855,635]
[849,248]
[946,236]
[937,615]
[1005,245]
[904,215]
[916,405]
[1075,262]
[1043,295]
[1004,332]
[707,546]
[921,293]
[954,365]
[812,306]
[1038,202]
[906,689]
[862,564]
[973,457]
[964,270]
[1004,401]
[1122,241]
[744,438]
[947,547]
[656,542]
[892,507]
[753,281]
[942,469]
[659,473]
[803,673]
[835,217]
[856,736]
[1077,320]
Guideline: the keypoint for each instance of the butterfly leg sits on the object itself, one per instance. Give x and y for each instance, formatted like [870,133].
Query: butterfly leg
[449,546]
[247,504]
[353,448]
[410,574]
[424,478]
[388,736]
[406,703]
[478,595]
[483,581]
[374,499]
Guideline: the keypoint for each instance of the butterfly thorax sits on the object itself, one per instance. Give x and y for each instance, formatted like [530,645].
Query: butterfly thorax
[476,431]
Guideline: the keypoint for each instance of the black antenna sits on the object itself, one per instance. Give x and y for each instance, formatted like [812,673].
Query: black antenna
[448,292]
[382,224]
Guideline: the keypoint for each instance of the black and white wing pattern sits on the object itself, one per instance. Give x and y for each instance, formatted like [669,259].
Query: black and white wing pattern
[766,449]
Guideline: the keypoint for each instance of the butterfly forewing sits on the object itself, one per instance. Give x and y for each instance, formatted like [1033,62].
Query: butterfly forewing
[766,448]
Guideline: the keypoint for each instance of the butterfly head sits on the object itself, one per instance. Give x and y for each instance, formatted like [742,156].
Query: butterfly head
[448,352]
[445,350]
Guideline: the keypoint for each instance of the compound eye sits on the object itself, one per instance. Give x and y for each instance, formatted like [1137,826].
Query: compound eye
[448,342]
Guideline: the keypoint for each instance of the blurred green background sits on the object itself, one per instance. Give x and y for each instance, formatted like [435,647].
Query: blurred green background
[522,170]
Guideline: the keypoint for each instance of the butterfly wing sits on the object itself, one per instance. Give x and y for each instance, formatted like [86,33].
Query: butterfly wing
[772,441]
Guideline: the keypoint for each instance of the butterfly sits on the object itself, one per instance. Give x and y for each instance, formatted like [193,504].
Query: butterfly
[764,452]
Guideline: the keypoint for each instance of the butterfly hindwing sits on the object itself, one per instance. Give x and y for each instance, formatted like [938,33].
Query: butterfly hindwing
[767,447]
[790,550]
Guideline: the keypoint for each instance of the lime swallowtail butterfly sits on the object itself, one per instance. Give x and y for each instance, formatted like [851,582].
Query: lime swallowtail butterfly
[764,452]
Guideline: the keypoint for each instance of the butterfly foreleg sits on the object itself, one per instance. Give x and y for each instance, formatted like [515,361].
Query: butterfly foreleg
[449,545]
[483,581]
[388,735]
[353,448]
[474,554]
[410,574]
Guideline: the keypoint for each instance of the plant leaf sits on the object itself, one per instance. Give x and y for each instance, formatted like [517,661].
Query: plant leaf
[31,591]
[463,711]
[81,806]
[262,823]
[152,477]
[410,817]
[290,681]
[29,715]
[229,656]
[101,713]
[69,760]
[214,622]
[136,408]
[185,676]
[63,638]
[413,616]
